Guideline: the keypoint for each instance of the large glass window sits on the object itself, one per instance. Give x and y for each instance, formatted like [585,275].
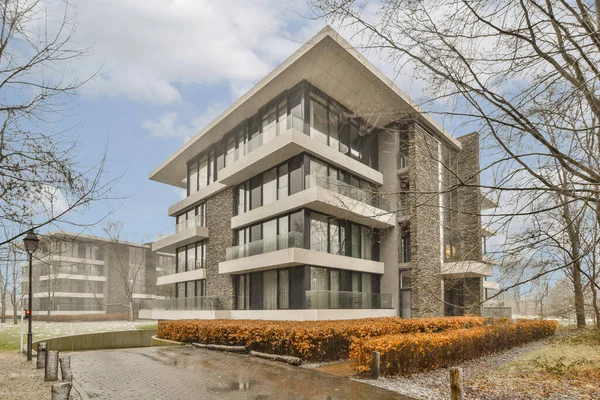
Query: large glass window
[255,192]
[269,124]
[282,181]
[284,289]
[192,177]
[269,287]
[203,171]
[296,178]
[318,118]
[190,257]
[269,182]
[318,232]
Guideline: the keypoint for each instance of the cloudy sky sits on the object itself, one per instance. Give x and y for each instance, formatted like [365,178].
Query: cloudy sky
[165,69]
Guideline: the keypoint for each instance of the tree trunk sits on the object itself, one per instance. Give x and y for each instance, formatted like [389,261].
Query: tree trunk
[579,299]
[3,300]
[13,300]
[131,310]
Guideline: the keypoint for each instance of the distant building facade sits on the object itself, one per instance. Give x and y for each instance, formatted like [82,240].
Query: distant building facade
[82,274]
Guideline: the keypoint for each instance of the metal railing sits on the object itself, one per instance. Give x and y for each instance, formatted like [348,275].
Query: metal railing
[188,303]
[274,243]
[329,299]
[371,198]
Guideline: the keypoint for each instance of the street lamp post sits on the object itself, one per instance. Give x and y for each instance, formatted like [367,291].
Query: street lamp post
[31,243]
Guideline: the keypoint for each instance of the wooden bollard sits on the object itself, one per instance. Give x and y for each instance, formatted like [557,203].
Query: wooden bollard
[61,391]
[456,384]
[51,373]
[65,369]
[41,355]
[375,364]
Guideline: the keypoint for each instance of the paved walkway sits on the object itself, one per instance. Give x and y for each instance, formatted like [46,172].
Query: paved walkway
[174,373]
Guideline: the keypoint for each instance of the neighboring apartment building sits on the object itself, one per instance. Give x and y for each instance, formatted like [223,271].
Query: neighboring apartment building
[81,274]
[324,192]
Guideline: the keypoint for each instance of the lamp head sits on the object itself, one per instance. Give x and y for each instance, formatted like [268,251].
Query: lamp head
[31,242]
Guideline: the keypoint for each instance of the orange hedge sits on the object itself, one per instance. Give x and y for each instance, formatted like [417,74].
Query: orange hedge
[310,340]
[414,352]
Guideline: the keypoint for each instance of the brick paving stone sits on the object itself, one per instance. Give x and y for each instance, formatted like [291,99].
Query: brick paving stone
[173,373]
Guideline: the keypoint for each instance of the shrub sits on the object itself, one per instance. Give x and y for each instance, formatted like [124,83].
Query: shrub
[408,353]
[310,340]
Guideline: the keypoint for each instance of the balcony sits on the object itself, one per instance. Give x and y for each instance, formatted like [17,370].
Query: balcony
[186,232]
[266,151]
[333,200]
[336,300]
[287,250]
[188,303]
[192,275]
[79,277]
[467,269]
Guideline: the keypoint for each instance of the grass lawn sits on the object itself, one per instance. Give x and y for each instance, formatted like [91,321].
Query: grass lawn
[569,366]
[10,334]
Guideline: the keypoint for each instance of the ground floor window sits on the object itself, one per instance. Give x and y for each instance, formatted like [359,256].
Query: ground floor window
[306,287]
[191,289]
[405,293]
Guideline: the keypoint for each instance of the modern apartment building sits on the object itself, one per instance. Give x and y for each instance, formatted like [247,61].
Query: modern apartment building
[325,192]
[80,274]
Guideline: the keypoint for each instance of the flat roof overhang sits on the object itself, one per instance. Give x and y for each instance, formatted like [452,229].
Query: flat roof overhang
[331,64]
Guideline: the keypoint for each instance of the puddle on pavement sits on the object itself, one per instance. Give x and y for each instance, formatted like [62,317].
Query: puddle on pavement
[342,368]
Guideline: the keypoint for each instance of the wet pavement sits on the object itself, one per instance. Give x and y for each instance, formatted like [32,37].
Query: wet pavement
[184,372]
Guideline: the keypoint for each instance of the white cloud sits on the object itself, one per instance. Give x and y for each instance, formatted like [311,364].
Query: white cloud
[146,49]
[169,124]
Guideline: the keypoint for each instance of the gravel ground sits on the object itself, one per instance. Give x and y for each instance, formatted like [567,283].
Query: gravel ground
[19,380]
[435,385]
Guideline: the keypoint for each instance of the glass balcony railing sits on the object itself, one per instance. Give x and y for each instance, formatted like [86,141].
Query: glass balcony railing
[372,198]
[198,220]
[329,299]
[188,303]
[274,243]
[266,136]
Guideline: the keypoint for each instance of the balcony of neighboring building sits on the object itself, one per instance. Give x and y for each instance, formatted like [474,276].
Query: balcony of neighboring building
[290,249]
[185,232]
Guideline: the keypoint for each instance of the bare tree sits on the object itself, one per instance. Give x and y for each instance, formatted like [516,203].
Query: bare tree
[526,74]
[126,262]
[41,179]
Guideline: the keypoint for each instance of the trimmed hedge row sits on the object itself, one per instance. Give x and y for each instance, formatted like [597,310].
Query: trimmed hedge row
[409,353]
[309,340]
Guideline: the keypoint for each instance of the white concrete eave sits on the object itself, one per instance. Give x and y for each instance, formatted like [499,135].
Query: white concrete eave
[296,256]
[466,269]
[322,200]
[331,64]
[193,275]
[491,285]
[170,243]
